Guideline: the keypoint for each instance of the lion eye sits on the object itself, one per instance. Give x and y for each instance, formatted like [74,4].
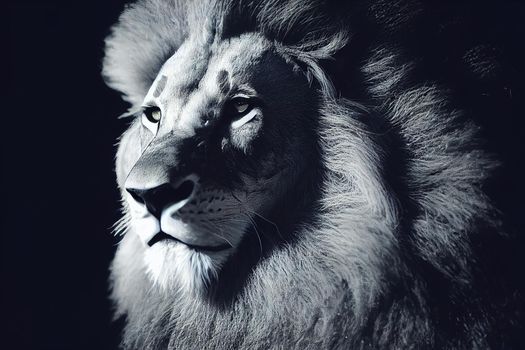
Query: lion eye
[152,114]
[241,106]
[241,110]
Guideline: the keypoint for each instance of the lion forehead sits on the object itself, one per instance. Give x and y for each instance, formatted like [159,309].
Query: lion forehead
[196,67]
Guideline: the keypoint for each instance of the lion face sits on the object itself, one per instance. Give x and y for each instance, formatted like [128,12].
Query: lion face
[210,150]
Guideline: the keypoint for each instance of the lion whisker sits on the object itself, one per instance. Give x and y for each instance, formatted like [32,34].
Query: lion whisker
[256,232]
[268,221]
[252,211]
[121,225]
[207,222]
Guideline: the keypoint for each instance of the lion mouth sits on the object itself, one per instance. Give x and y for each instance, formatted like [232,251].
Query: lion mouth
[162,236]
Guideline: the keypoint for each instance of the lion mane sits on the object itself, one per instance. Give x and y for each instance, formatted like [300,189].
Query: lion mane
[397,249]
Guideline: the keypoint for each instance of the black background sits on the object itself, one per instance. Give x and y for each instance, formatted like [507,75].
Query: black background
[59,198]
[59,128]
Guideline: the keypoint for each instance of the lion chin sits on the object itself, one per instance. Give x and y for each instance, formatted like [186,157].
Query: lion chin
[295,177]
[174,266]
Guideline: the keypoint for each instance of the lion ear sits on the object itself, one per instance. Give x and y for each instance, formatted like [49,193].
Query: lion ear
[146,35]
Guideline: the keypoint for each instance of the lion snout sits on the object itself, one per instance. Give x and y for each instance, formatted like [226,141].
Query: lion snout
[158,197]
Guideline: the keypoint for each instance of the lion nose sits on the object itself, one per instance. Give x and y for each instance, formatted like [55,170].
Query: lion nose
[159,197]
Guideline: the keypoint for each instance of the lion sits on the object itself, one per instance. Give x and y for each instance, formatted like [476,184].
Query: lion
[294,176]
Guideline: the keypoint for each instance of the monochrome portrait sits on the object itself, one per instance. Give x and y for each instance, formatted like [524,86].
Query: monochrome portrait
[265,174]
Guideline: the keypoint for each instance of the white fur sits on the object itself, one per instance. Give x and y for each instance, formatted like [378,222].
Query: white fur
[175,267]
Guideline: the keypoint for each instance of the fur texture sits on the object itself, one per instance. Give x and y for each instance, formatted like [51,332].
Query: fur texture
[392,251]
